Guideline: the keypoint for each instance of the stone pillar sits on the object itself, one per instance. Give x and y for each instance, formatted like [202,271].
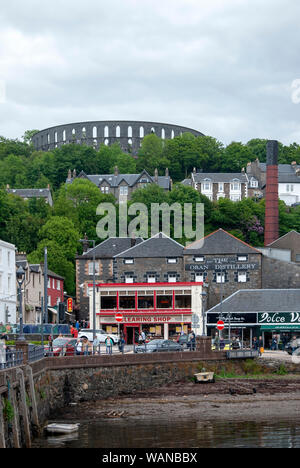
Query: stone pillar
[23,347]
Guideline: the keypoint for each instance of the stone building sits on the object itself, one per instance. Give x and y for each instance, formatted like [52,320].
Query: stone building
[104,255]
[156,260]
[214,186]
[224,264]
[121,186]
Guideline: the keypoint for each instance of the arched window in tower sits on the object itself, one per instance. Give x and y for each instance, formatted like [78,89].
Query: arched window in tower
[73,133]
[152,130]
[118,131]
[95,134]
[48,139]
[129,132]
[106,142]
[64,135]
[172,135]
[130,141]
[106,132]
[83,133]
[163,133]
[142,132]
[55,137]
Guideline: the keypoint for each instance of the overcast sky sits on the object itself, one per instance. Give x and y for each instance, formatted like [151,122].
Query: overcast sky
[223,67]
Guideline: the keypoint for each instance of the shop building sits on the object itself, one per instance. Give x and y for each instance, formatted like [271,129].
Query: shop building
[161,310]
[258,312]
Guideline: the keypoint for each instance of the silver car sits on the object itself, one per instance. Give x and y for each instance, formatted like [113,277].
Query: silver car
[156,346]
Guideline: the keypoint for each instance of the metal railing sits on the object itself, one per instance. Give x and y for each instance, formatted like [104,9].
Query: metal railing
[10,357]
[36,353]
[85,350]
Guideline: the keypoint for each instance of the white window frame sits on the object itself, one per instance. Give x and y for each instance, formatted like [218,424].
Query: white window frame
[151,278]
[220,277]
[221,187]
[129,279]
[91,269]
[242,277]
[199,278]
[242,258]
[172,278]
[129,261]
[172,261]
[199,259]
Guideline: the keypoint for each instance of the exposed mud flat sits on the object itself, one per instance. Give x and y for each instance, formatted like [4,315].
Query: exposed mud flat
[232,399]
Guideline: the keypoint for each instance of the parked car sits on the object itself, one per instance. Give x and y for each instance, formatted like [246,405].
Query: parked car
[183,340]
[101,335]
[290,345]
[61,347]
[155,346]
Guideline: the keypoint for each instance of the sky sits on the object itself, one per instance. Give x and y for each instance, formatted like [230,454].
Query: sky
[227,68]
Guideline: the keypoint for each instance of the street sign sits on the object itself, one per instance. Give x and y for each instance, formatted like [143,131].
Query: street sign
[220,325]
[70,305]
[119,318]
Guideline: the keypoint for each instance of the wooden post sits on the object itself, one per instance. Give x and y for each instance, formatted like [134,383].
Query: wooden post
[33,398]
[24,410]
[15,421]
[2,436]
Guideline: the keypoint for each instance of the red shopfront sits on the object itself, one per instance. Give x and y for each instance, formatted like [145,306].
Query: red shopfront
[161,310]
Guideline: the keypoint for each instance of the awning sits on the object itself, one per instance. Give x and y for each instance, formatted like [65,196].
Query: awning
[282,327]
[54,311]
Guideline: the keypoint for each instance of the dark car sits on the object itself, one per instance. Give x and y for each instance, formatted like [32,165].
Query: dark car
[156,346]
[183,340]
[61,347]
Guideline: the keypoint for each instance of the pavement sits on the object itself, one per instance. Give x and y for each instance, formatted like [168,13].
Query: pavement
[277,355]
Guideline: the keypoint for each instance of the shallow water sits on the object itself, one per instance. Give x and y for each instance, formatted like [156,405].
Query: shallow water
[178,434]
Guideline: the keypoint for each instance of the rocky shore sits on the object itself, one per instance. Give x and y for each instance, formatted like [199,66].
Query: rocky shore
[276,397]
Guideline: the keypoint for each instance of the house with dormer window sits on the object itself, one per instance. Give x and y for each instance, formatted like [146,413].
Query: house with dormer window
[121,186]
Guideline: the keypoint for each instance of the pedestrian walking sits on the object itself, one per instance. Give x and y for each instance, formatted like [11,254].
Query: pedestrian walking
[294,344]
[79,347]
[261,345]
[274,343]
[109,345]
[3,351]
[255,343]
[121,343]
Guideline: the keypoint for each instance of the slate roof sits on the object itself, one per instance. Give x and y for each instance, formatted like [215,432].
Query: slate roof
[286,173]
[261,300]
[220,177]
[110,247]
[157,246]
[289,235]
[130,179]
[31,193]
[219,242]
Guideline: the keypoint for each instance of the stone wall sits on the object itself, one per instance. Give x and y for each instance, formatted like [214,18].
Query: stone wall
[279,274]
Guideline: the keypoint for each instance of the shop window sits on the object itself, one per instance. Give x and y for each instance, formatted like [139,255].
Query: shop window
[146,302]
[127,302]
[183,302]
[164,302]
[108,303]
[297,257]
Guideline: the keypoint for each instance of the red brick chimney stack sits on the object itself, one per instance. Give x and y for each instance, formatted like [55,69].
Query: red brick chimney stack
[271,215]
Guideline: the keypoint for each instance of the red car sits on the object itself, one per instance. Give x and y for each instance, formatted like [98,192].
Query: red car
[61,347]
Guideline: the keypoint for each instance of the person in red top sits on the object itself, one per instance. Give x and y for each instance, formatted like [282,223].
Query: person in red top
[74,332]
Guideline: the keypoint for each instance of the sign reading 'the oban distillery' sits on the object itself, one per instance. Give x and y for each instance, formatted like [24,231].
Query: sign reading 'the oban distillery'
[222,263]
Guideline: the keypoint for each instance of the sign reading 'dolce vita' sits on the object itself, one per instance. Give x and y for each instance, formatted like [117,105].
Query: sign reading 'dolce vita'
[279,318]
[222,263]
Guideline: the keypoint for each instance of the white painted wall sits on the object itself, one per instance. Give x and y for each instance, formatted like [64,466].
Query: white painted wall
[7,281]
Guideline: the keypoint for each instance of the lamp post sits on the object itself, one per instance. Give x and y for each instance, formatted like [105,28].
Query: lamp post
[203,294]
[86,241]
[20,280]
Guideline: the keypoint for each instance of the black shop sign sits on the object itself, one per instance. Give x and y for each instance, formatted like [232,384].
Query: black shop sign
[234,319]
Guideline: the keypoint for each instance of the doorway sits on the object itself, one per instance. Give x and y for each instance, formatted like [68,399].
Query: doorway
[132,334]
